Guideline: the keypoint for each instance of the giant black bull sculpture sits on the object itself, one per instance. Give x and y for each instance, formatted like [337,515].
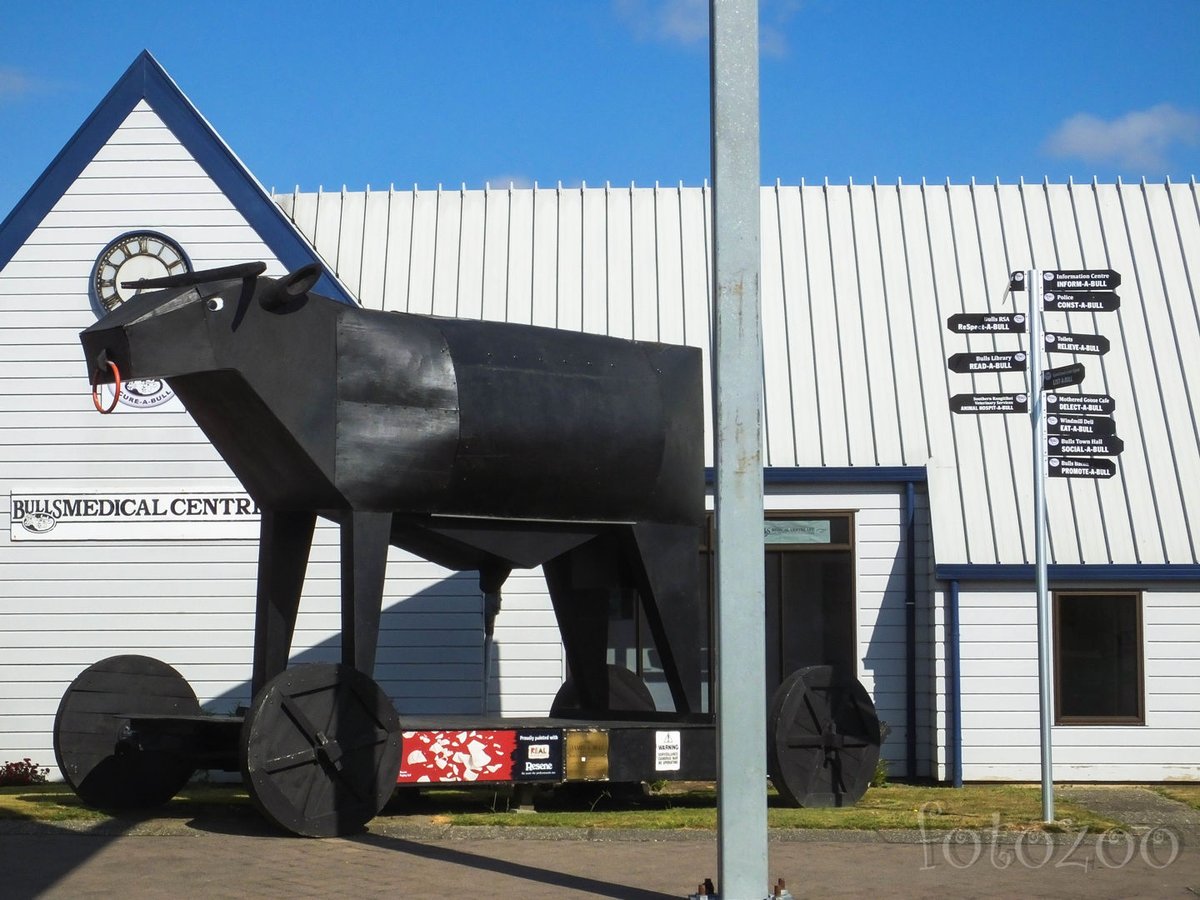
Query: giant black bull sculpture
[480,446]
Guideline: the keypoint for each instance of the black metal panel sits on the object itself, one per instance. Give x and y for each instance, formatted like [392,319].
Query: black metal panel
[627,693]
[563,425]
[397,411]
[633,752]
[285,540]
[668,576]
[581,582]
[364,563]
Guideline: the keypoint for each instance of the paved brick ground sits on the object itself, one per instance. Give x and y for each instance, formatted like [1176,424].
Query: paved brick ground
[232,859]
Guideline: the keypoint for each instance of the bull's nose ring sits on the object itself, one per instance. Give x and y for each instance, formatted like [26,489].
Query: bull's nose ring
[116,389]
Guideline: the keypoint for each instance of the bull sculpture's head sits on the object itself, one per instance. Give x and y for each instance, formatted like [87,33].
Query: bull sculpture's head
[176,329]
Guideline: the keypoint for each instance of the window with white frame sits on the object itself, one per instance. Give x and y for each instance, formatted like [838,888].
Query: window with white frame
[1098,659]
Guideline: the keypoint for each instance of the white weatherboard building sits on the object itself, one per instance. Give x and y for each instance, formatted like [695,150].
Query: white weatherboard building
[898,535]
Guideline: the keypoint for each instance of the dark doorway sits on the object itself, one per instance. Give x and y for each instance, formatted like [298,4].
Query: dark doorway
[808,560]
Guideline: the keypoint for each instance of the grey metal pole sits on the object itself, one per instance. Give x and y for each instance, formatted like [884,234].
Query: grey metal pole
[740,606]
[1033,284]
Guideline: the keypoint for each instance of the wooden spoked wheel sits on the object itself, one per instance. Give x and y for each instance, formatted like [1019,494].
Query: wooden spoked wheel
[321,750]
[99,753]
[823,739]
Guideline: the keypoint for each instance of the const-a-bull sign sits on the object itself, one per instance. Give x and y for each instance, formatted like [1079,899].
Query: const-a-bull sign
[117,516]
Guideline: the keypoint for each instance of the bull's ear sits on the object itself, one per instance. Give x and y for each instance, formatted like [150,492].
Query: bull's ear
[290,286]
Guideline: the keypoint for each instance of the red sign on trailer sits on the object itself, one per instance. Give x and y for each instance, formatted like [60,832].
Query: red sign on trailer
[470,756]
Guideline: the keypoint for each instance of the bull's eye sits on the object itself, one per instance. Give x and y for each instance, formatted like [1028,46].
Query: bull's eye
[214,304]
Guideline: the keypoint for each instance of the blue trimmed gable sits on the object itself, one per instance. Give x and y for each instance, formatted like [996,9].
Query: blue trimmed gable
[146,80]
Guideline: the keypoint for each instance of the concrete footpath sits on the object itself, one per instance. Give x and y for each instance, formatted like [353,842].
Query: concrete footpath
[1157,856]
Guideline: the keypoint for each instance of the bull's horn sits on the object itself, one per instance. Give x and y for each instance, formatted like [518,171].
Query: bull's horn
[291,286]
[187,279]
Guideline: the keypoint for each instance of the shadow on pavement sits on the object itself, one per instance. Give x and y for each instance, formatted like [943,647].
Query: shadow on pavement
[27,874]
[512,869]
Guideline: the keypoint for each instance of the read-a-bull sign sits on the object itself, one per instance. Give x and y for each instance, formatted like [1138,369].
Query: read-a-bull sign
[477,445]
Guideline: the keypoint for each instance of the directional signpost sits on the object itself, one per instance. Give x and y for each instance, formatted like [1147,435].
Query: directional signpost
[1071,433]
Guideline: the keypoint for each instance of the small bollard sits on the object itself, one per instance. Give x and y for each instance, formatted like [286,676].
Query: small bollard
[780,891]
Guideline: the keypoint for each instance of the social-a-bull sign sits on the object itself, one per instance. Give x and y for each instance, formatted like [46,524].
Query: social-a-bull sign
[477,445]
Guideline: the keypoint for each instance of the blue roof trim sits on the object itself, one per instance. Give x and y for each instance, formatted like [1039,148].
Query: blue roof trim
[1092,573]
[835,475]
[146,80]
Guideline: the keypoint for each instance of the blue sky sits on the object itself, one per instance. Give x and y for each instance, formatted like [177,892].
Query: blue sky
[320,93]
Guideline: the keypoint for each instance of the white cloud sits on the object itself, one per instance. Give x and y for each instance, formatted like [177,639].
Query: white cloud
[14,85]
[669,21]
[514,181]
[685,22]
[1138,140]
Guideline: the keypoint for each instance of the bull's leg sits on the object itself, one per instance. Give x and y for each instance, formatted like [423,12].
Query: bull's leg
[365,538]
[581,582]
[285,539]
[665,560]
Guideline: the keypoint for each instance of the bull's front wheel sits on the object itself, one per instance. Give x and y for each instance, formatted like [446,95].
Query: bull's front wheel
[321,750]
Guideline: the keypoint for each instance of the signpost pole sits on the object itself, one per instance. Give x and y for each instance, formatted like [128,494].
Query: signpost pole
[1037,396]
[740,606]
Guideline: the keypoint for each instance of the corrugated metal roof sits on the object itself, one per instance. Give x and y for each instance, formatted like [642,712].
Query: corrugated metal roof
[857,284]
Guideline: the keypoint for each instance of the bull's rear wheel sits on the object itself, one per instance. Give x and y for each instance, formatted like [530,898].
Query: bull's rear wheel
[109,765]
[823,739]
[321,750]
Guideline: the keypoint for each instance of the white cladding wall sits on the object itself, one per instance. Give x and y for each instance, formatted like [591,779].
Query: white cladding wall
[66,605]
[1000,730]
[857,283]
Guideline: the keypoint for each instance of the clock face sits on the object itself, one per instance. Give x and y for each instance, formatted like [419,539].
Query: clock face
[133,256]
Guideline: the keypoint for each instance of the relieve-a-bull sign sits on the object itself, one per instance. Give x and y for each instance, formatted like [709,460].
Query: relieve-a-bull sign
[477,445]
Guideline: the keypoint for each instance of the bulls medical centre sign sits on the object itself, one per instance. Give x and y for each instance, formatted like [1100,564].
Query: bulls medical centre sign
[72,516]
